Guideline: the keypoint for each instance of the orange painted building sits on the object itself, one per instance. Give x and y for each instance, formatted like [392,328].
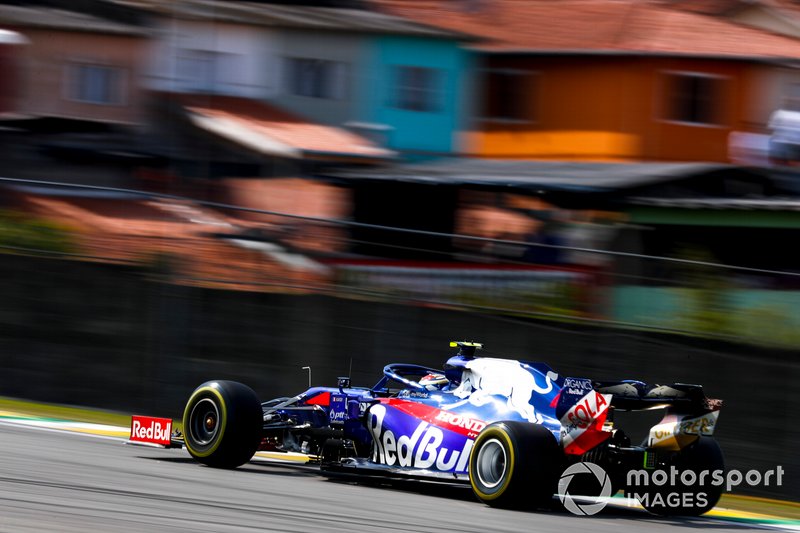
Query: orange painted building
[620,80]
[615,108]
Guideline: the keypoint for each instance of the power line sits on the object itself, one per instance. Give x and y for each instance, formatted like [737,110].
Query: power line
[426,233]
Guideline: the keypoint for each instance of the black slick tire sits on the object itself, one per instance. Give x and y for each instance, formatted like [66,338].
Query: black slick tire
[515,465]
[222,424]
[702,457]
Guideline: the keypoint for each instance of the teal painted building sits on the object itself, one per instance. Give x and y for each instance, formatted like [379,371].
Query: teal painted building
[410,90]
[420,91]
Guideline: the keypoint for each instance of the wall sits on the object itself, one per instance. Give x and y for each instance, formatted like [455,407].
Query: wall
[44,75]
[427,132]
[11,46]
[343,47]
[770,89]
[245,65]
[767,317]
[114,337]
[613,108]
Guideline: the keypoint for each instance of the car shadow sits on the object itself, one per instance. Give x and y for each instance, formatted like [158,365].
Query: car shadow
[176,460]
[261,468]
[463,492]
[613,513]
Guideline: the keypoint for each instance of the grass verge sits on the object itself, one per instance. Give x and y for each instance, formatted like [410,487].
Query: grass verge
[67,412]
[753,504]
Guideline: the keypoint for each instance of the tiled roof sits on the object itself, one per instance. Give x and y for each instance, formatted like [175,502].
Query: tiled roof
[312,18]
[293,196]
[267,129]
[731,7]
[707,7]
[595,26]
[138,231]
[20,16]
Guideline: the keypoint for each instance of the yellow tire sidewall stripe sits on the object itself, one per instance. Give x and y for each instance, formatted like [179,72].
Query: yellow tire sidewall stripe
[223,421]
[502,435]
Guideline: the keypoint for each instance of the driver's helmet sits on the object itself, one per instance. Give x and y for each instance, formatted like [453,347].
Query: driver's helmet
[433,381]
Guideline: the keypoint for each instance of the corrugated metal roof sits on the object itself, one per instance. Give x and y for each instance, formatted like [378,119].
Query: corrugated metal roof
[761,204]
[550,175]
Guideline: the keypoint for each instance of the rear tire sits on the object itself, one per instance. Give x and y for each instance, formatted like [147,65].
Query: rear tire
[514,465]
[703,455]
[222,424]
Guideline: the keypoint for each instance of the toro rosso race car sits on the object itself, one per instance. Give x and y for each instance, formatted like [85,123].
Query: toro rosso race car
[508,428]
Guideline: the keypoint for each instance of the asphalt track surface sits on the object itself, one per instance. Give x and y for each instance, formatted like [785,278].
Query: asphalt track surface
[65,482]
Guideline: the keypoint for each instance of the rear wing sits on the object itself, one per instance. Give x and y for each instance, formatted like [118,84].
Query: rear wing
[689,414]
[583,407]
[630,395]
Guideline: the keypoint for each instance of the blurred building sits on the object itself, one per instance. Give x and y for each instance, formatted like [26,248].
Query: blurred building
[81,65]
[80,105]
[377,76]
[611,80]
[777,16]
[234,101]
[534,130]
[10,54]
[262,89]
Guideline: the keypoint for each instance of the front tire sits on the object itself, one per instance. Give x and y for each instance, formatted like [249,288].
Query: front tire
[515,464]
[222,424]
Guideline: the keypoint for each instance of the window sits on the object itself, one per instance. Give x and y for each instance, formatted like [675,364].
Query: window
[417,89]
[791,97]
[196,69]
[95,84]
[510,95]
[694,98]
[207,70]
[316,78]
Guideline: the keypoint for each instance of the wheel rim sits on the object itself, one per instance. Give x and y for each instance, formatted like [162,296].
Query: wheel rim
[204,424]
[491,463]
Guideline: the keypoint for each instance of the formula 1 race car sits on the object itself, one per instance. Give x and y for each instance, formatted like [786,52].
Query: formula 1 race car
[508,428]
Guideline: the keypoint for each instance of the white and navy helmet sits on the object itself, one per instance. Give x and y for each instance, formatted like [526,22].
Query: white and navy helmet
[433,381]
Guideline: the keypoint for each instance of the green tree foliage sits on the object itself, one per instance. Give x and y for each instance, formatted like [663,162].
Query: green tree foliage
[21,233]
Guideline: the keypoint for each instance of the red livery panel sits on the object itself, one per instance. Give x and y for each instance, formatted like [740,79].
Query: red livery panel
[150,429]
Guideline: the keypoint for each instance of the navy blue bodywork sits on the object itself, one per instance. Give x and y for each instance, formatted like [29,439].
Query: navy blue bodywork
[402,425]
